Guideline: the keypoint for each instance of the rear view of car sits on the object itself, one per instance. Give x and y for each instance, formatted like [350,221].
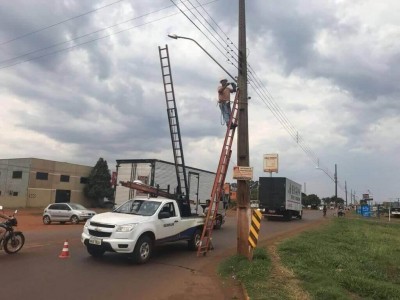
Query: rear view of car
[66,212]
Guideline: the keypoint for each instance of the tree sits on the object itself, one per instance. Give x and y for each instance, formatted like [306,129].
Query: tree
[326,201]
[313,200]
[304,199]
[99,183]
[253,187]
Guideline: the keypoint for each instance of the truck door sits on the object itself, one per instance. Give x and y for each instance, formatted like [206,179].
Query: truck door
[169,228]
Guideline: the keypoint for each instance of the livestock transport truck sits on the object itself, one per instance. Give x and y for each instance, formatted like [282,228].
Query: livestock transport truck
[162,174]
[280,197]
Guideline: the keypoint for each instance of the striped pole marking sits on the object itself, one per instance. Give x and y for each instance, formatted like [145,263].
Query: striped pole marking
[255,228]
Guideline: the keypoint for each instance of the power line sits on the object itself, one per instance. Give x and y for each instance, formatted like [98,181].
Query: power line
[56,24]
[89,41]
[255,81]
[263,93]
[85,35]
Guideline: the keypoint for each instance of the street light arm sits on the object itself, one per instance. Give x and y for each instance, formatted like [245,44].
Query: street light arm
[174,36]
[333,179]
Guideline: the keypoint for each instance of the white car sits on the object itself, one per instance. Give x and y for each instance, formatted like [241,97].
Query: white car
[66,212]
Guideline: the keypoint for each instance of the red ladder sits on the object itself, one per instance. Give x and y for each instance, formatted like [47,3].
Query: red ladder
[218,187]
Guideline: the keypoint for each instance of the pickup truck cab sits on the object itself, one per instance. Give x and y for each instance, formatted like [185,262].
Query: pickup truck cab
[139,224]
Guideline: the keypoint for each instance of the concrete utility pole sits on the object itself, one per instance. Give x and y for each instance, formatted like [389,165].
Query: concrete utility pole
[243,159]
[336,183]
[345,188]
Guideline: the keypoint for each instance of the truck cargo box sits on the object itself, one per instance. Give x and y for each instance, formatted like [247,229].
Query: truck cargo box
[280,197]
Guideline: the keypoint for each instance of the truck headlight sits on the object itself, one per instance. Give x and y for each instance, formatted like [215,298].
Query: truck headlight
[87,223]
[126,228]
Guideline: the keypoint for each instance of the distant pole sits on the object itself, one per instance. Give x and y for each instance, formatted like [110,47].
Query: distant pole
[336,183]
[243,199]
[345,189]
[351,196]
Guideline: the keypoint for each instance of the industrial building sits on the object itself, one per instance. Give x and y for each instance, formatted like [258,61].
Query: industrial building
[33,182]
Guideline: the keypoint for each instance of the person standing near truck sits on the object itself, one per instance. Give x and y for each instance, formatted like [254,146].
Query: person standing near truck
[224,98]
[207,207]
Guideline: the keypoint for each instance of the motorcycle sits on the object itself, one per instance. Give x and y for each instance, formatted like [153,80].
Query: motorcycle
[11,241]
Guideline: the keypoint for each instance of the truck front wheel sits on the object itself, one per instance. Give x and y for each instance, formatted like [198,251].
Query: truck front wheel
[143,250]
[95,251]
[194,242]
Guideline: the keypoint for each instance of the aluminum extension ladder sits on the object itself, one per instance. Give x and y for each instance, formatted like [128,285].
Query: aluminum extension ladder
[173,122]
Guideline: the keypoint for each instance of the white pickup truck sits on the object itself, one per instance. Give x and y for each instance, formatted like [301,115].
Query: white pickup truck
[136,226]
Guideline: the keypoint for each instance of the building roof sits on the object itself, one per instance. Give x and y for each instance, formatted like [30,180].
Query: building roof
[151,161]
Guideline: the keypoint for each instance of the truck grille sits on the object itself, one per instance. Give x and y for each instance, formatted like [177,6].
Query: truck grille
[95,224]
[99,233]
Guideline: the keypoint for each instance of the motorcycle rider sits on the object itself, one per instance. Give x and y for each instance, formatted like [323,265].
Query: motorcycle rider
[324,210]
[3,215]
[340,212]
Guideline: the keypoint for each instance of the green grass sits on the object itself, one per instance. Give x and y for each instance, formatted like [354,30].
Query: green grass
[347,259]
[252,274]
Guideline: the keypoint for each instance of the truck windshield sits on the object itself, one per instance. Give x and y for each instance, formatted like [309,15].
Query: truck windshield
[139,207]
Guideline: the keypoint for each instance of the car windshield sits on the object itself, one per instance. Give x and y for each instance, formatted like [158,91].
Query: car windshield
[138,207]
[76,206]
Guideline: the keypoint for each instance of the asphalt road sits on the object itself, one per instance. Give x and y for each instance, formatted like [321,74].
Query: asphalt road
[37,272]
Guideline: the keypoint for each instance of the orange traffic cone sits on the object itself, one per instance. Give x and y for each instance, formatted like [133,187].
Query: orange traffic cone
[65,251]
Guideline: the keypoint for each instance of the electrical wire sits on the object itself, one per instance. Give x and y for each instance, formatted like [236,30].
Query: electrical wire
[89,41]
[231,55]
[58,23]
[263,93]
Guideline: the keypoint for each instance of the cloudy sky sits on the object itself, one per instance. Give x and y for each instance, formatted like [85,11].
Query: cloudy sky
[81,80]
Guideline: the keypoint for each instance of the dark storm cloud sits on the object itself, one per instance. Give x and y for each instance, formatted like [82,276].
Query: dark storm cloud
[294,27]
[39,46]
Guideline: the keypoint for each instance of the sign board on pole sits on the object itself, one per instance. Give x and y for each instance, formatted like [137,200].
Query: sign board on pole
[271,163]
[242,173]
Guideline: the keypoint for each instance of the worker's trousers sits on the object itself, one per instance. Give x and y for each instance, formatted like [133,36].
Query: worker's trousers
[225,111]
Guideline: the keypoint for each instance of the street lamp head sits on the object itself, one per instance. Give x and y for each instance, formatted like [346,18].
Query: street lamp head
[173,36]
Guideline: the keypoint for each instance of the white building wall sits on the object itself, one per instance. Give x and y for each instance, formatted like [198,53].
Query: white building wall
[164,176]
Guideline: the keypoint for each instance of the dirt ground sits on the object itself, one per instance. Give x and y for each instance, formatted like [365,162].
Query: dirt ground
[280,276]
[31,219]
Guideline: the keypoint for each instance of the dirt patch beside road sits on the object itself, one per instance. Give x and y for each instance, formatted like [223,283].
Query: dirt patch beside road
[280,276]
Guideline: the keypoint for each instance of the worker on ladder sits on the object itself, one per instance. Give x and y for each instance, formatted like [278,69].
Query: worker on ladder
[224,98]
